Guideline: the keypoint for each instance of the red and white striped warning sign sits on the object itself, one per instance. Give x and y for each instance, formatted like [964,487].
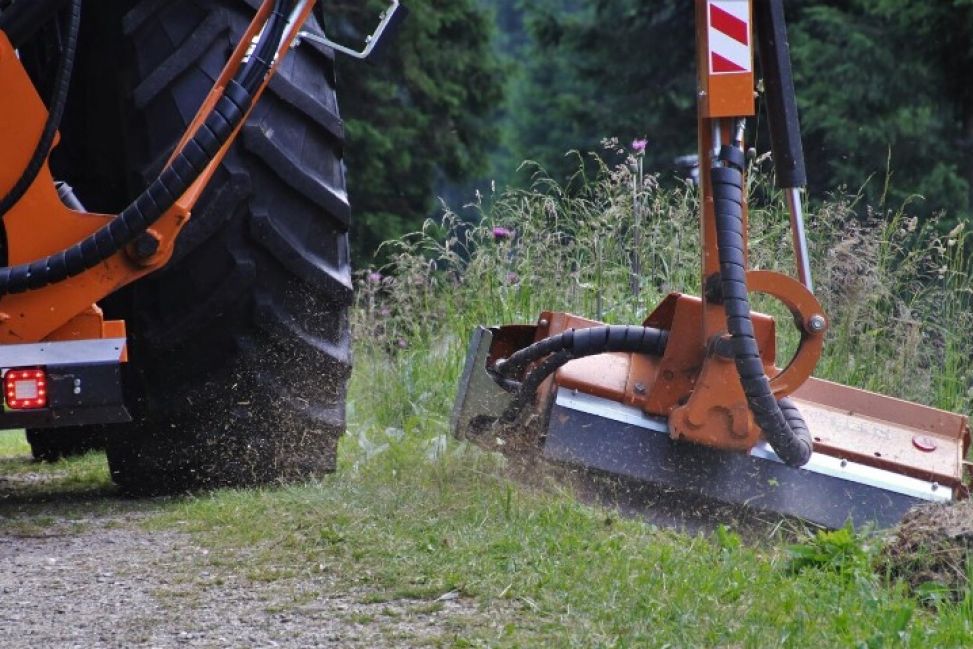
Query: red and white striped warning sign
[729,37]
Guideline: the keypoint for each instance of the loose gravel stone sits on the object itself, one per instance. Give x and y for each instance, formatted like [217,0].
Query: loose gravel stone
[114,584]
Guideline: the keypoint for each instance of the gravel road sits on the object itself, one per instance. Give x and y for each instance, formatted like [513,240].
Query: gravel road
[101,579]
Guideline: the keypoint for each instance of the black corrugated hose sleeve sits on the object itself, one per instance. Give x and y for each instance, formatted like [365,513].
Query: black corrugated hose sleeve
[59,97]
[781,424]
[587,342]
[266,51]
[572,344]
[533,381]
[172,183]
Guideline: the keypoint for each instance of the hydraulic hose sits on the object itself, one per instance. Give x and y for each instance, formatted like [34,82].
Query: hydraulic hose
[588,342]
[171,183]
[573,343]
[781,423]
[62,82]
[266,49]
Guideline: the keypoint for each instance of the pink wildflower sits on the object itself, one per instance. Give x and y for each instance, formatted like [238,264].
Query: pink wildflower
[502,234]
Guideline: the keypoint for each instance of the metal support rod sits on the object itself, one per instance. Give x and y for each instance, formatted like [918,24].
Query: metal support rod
[799,235]
[389,22]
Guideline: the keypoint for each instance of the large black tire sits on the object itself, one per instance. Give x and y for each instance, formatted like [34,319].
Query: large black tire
[240,346]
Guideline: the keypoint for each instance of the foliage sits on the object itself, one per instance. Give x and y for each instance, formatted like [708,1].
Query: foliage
[881,88]
[471,87]
[417,118]
[898,294]
[590,75]
[841,551]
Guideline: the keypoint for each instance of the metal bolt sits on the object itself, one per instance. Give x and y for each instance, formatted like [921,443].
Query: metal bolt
[77,390]
[543,323]
[817,323]
[844,463]
[145,245]
[640,388]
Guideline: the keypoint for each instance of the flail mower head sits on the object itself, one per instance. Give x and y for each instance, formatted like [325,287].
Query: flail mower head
[692,401]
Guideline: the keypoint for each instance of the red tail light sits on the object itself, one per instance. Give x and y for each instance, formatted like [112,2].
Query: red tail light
[25,389]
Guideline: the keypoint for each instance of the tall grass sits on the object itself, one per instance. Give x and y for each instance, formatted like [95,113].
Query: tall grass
[898,293]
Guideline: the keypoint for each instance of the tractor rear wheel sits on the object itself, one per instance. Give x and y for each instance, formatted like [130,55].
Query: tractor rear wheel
[239,347]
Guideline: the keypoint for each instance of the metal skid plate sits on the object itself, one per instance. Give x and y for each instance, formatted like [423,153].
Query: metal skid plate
[605,436]
[478,398]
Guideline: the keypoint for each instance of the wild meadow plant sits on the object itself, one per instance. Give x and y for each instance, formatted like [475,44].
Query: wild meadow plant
[611,242]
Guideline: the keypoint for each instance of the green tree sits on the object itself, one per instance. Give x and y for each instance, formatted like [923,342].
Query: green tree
[881,90]
[602,69]
[419,117]
[882,86]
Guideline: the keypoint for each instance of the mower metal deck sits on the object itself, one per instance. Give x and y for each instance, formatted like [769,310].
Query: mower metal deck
[868,468]
[594,433]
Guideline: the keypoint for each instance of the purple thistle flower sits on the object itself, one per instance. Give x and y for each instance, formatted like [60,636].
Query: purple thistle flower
[638,145]
[513,278]
[375,277]
[502,234]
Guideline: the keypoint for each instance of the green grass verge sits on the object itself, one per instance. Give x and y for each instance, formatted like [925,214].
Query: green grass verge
[38,498]
[88,473]
[13,443]
[542,570]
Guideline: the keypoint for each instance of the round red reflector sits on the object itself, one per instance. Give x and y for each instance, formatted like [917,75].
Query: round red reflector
[924,443]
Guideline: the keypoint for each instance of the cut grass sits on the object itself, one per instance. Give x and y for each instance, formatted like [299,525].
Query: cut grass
[543,570]
[40,498]
[78,475]
[13,443]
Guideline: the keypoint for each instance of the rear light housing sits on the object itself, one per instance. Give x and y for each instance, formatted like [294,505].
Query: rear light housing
[25,389]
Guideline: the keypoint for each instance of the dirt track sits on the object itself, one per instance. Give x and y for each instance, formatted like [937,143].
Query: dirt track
[92,576]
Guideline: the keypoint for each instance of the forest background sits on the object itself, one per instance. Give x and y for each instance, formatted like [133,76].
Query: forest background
[474,87]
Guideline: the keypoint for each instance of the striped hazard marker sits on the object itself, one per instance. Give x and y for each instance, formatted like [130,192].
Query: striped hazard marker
[729,37]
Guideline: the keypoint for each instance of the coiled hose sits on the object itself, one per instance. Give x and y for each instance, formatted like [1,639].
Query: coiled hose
[171,183]
[781,423]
